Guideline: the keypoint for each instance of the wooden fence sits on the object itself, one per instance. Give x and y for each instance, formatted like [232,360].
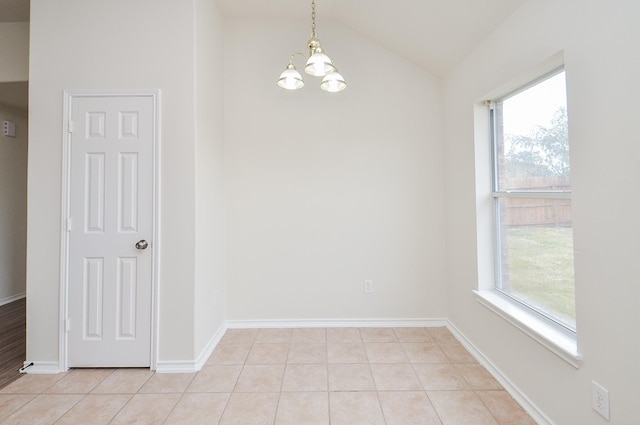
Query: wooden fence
[537,212]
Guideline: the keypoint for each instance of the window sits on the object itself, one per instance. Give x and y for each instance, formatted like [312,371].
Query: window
[532,199]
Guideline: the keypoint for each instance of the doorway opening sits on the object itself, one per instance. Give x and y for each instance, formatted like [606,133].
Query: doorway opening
[14,97]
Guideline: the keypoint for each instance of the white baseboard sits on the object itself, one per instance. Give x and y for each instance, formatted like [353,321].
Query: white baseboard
[213,343]
[41,368]
[336,323]
[177,366]
[533,411]
[190,366]
[13,298]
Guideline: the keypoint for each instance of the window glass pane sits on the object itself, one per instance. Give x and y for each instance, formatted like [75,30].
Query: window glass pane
[532,149]
[536,255]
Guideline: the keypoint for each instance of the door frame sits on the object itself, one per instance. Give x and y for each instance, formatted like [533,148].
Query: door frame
[69,96]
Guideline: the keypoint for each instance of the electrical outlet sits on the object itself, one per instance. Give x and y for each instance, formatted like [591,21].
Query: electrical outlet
[600,399]
[368,286]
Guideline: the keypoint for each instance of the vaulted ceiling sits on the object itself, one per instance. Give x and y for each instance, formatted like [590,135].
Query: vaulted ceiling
[435,34]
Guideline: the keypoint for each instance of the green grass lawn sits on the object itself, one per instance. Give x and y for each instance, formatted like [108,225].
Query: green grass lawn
[541,270]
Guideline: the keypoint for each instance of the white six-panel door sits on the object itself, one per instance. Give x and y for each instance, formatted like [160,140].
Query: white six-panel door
[110,231]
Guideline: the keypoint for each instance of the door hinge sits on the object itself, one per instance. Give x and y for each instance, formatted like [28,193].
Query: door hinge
[70,127]
[67,324]
[68,225]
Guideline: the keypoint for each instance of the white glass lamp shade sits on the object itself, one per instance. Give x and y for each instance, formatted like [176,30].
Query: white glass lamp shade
[333,82]
[290,79]
[319,65]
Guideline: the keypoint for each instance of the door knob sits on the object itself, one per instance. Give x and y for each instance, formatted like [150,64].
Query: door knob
[142,244]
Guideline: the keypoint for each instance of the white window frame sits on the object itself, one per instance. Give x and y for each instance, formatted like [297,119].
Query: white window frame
[557,337]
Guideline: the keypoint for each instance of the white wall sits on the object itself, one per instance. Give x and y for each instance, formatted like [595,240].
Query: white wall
[13,205]
[210,229]
[326,190]
[602,60]
[120,44]
[14,51]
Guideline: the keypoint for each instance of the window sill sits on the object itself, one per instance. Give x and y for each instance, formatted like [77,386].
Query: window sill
[558,342]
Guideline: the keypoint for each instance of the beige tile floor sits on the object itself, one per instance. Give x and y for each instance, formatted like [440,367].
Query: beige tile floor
[337,376]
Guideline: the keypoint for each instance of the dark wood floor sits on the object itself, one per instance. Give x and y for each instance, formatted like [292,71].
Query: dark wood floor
[13,340]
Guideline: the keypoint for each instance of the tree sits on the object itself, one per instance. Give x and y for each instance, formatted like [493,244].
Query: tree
[544,153]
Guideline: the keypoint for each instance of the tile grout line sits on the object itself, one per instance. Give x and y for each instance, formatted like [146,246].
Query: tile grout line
[326,350]
[122,407]
[284,372]
[233,390]
[182,394]
[84,396]
[375,384]
[35,396]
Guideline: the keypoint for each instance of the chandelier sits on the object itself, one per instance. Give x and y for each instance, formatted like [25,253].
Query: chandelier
[318,64]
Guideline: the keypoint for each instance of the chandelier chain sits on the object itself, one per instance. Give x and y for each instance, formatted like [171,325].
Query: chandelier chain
[313,18]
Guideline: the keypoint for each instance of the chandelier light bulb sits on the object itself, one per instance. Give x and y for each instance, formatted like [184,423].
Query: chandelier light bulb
[319,65]
[290,78]
[333,82]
